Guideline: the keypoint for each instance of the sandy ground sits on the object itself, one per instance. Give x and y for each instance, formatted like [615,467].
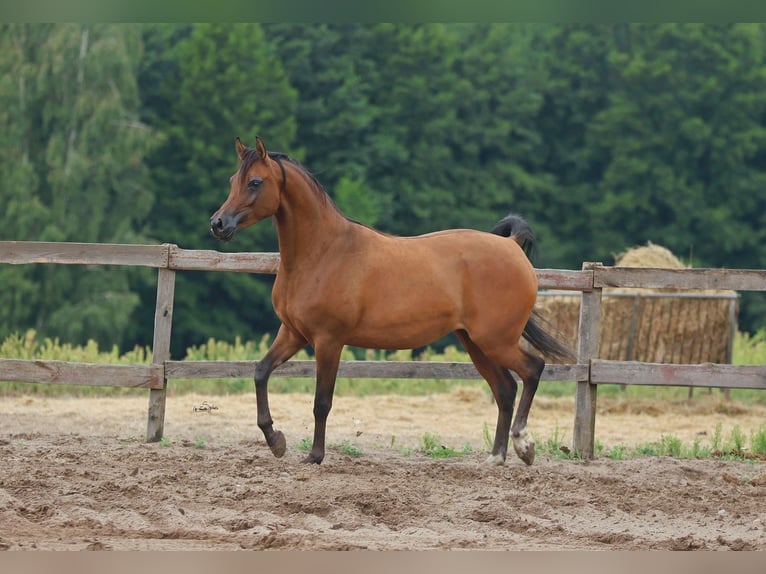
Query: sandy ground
[77,475]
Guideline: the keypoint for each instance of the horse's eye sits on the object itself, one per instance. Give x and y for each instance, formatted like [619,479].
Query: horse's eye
[254,182]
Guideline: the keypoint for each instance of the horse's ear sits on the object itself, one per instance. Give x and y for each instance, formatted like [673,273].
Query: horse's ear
[260,147]
[240,148]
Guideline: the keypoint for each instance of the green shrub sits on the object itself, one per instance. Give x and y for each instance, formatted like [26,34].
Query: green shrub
[758,441]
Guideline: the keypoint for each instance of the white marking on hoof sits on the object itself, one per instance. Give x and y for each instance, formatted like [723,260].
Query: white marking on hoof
[495,460]
[524,447]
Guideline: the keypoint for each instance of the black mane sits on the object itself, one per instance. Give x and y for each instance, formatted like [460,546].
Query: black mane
[251,155]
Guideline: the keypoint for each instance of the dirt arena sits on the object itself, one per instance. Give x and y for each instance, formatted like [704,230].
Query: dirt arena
[77,475]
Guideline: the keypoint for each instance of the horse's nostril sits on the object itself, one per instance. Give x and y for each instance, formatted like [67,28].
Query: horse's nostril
[218,224]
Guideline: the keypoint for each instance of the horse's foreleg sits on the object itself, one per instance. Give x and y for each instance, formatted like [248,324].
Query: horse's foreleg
[327,360]
[285,345]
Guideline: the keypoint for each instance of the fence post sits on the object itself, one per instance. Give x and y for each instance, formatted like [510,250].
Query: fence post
[589,337]
[163,319]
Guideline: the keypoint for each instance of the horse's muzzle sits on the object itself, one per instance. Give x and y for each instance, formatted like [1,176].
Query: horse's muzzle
[223,227]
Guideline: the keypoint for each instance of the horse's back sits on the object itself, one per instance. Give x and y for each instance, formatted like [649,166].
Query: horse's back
[481,256]
[449,280]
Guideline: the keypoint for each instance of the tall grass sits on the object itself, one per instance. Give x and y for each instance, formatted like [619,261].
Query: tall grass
[748,349]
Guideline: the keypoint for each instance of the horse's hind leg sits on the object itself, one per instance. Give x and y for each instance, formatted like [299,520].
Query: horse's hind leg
[503,389]
[285,345]
[529,367]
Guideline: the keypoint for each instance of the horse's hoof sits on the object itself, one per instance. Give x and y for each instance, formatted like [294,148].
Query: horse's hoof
[525,449]
[313,458]
[495,460]
[278,445]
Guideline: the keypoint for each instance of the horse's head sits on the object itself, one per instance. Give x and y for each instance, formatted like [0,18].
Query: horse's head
[254,193]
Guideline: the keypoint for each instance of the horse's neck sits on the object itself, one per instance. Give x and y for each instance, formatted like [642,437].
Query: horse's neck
[306,222]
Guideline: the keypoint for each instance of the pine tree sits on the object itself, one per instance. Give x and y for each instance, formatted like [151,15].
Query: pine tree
[203,86]
[79,173]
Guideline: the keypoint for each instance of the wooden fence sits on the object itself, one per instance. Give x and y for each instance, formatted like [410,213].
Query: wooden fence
[588,372]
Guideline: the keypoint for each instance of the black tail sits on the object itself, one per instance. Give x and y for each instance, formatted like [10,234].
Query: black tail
[546,343]
[515,227]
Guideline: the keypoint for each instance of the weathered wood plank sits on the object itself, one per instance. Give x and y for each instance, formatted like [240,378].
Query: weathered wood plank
[23,252]
[658,374]
[163,321]
[87,374]
[565,279]
[209,260]
[206,260]
[718,279]
[354,369]
[588,340]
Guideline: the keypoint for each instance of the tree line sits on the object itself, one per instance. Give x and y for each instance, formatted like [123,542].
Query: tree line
[602,136]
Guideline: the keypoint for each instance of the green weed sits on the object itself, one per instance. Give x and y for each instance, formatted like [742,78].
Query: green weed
[671,446]
[716,443]
[737,439]
[648,449]
[699,451]
[618,452]
[304,444]
[406,451]
[758,441]
[554,446]
[350,449]
[431,446]
[488,440]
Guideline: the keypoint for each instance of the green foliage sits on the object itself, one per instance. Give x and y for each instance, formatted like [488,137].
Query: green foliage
[72,169]
[671,445]
[209,84]
[749,349]
[350,449]
[30,346]
[737,439]
[648,449]
[698,450]
[670,151]
[488,440]
[554,445]
[431,446]
[716,442]
[405,451]
[618,452]
[758,441]
[123,133]
[735,447]
[303,445]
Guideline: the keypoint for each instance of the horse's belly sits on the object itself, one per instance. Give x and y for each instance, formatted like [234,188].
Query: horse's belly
[417,330]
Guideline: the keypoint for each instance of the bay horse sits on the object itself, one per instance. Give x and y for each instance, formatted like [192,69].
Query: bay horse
[340,283]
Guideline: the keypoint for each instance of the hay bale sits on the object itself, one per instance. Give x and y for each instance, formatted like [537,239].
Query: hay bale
[651,325]
[649,255]
[561,313]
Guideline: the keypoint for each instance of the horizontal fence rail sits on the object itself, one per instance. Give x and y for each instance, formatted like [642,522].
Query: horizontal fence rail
[680,279]
[588,372]
[86,374]
[22,252]
[355,370]
[662,374]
